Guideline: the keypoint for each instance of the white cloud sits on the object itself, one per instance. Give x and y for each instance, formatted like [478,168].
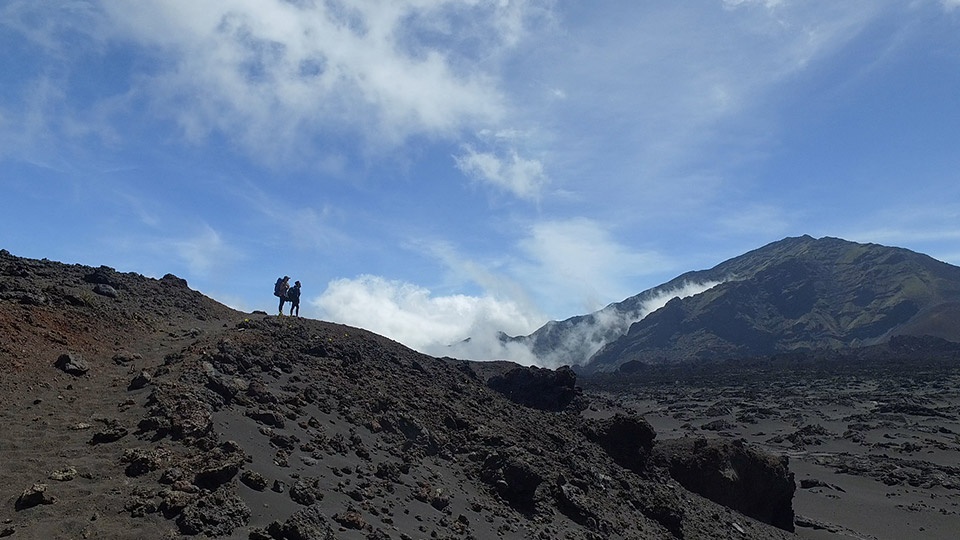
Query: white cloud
[468,327]
[669,89]
[524,178]
[581,258]
[608,324]
[271,72]
[432,324]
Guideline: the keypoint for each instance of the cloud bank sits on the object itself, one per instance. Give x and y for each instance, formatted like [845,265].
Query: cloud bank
[471,327]
[416,317]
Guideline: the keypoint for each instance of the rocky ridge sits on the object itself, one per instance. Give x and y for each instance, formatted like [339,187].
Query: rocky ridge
[138,408]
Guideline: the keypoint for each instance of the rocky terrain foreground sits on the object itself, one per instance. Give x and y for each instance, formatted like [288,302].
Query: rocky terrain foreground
[138,408]
[873,436]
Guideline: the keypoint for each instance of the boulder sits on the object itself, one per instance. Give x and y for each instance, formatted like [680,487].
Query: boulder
[72,363]
[105,290]
[216,514]
[140,381]
[306,524]
[538,388]
[513,478]
[748,480]
[626,439]
[33,496]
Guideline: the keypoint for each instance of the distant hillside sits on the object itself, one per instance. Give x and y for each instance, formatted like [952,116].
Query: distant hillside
[794,294]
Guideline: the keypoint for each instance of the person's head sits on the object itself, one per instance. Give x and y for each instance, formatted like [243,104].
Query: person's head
[286,278]
[297,284]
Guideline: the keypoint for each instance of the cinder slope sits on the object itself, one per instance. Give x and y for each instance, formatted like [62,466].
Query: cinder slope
[194,419]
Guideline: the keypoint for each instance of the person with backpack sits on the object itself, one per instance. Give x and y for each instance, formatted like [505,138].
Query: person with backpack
[280,289]
[293,296]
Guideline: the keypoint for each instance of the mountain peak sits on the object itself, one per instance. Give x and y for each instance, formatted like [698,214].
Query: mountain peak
[793,294]
[797,294]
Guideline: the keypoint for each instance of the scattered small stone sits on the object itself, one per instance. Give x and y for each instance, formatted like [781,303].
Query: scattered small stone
[141,461]
[253,480]
[217,514]
[140,381]
[122,359]
[33,496]
[64,475]
[105,290]
[109,435]
[269,418]
[171,475]
[72,363]
[350,519]
[306,491]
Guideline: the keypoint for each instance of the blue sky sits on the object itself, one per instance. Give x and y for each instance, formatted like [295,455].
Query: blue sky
[434,170]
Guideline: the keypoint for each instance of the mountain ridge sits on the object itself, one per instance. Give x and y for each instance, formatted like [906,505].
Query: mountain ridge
[793,294]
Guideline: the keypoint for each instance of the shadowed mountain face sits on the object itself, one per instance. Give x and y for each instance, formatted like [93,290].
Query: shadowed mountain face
[139,408]
[795,294]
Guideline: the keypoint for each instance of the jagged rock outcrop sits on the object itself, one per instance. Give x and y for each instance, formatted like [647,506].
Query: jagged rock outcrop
[626,439]
[544,389]
[732,474]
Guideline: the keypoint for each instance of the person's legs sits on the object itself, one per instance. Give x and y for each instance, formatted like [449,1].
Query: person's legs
[281,305]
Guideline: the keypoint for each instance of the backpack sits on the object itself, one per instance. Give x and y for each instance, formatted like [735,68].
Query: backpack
[293,293]
[278,287]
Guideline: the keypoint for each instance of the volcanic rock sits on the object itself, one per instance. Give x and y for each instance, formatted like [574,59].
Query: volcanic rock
[72,363]
[626,439]
[544,389]
[33,496]
[217,514]
[347,425]
[732,474]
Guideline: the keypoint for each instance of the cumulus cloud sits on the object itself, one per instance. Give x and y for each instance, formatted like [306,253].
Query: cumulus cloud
[433,324]
[580,257]
[272,71]
[577,257]
[523,178]
[472,327]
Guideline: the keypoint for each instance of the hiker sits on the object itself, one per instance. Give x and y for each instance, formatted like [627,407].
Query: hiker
[280,289]
[293,296]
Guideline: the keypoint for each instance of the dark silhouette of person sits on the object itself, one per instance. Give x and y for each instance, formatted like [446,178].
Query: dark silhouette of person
[293,296]
[281,288]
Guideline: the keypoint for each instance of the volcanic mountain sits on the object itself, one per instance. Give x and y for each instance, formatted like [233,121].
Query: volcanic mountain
[139,408]
[796,294]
